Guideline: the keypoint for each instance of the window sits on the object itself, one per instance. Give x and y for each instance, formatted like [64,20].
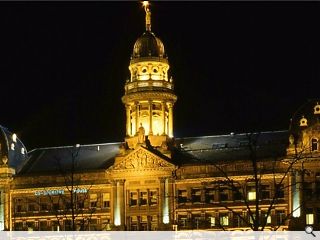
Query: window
[196,195]
[317,187]
[143,198]
[133,199]
[209,195]
[182,196]
[93,200]
[19,208]
[280,214]
[224,219]
[251,193]
[237,194]
[212,221]
[43,226]
[314,144]
[31,208]
[309,219]
[309,216]
[279,190]
[153,197]
[266,219]
[307,190]
[265,192]
[223,194]
[237,221]
[106,200]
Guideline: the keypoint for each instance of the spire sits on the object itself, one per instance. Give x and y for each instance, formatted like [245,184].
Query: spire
[148,15]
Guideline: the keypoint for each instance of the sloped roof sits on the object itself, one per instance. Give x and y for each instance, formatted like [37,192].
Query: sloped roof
[190,150]
[230,147]
[59,159]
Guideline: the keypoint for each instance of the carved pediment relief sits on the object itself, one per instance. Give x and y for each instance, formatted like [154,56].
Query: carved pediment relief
[142,159]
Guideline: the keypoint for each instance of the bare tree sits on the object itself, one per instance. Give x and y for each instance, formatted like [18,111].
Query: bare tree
[248,181]
[69,202]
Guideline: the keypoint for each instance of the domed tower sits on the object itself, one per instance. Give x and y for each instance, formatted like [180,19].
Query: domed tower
[13,155]
[149,96]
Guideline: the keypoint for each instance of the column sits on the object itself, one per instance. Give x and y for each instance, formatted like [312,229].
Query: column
[122,202]
[163,117]
[296,192]
[150,118]
[128,108]
[165,206]
[161,200]
[170,120]
[114,202]
[137,117]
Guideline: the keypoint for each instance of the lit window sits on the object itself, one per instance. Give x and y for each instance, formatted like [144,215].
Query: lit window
[14,137]
[93,200]
[153,198]
[309,219]
[212,221]
[12,146]
[106,200]
[224,220]
[22,151]
[251,195]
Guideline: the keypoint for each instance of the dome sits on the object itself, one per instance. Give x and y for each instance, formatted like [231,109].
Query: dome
[12,151]
[148,45]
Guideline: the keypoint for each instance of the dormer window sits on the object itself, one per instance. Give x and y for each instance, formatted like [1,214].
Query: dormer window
[317,109]
[314,144]
[303,122]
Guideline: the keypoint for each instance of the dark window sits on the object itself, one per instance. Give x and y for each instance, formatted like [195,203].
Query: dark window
[182,196]
[209,195]
[237,194]
[44,207]
[314,144]
[265,192]
[307,190]
[133,199]
[279,188]
[143,198]
[196,195]
[223,194]
[280,216]
[31,208]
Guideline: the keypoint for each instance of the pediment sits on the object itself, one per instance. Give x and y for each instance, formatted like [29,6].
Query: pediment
[142,159]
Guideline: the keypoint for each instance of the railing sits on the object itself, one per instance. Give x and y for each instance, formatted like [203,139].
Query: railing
[148,84]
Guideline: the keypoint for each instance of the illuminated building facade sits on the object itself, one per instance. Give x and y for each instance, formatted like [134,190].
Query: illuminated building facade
[152,181]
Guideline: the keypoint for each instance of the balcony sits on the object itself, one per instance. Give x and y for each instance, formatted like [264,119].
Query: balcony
[148,85]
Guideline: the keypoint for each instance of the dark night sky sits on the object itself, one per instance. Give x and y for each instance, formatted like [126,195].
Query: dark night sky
[237,67]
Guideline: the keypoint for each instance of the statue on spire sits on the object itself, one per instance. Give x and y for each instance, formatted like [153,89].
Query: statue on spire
[148,15]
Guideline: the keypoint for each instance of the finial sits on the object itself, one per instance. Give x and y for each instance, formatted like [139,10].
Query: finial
[148,15]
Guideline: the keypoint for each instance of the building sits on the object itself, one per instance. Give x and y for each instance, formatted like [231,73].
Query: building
[152,181]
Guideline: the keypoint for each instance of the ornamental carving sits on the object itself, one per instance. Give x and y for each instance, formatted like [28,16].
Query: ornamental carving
[142,159]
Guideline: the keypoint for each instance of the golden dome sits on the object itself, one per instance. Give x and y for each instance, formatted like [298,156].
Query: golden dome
[148,45]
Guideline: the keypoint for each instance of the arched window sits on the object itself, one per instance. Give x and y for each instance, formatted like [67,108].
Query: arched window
[314,144]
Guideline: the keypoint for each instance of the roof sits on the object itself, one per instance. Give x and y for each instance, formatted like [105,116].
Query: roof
[190,150]
[148,45]
[231,147]
[82,157]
